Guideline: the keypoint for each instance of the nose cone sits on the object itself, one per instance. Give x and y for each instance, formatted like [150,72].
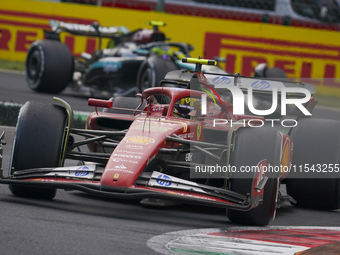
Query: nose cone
[138,148]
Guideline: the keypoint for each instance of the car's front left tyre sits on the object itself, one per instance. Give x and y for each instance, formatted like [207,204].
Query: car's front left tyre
[38,142]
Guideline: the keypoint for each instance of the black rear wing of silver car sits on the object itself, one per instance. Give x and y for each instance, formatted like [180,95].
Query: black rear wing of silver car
[94,29]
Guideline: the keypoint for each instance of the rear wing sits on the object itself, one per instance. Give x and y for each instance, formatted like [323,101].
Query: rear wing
[259,85]
[264,86]
[85,30]
[117,34]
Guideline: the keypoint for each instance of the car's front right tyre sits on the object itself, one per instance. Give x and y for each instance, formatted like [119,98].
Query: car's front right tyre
[252,146]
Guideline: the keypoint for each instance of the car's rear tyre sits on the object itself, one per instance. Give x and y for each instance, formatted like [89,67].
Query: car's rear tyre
[147,79]
[152,72]
[275,72]
[316,141]
[49,66]
[38,142]
[262,70]
[251,147]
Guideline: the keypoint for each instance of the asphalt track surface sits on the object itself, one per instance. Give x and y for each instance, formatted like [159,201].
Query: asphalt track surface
[77,223]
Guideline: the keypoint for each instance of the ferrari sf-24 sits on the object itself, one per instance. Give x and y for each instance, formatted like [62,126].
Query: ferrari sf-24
[182,142]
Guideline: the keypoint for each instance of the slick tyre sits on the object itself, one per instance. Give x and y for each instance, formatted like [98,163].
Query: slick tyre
[38,142]
[49,66]
[316,141]
[251,147]
[275,73]
[152,72]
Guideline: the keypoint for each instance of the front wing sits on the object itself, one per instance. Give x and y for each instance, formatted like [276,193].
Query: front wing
[87,179]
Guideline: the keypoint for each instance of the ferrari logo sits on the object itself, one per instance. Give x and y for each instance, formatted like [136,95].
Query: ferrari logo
[199,130]
[116,176]
[187,100]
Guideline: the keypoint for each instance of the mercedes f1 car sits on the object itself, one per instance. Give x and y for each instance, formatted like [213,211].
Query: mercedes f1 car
[184,142]
[131,62]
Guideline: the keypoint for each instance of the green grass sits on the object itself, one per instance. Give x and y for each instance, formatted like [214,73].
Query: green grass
[12,65]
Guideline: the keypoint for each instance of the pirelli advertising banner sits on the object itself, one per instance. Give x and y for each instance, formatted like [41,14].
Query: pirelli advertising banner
[313,54]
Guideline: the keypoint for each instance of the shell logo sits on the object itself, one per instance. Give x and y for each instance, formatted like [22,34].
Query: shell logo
[139,140]
[172,193]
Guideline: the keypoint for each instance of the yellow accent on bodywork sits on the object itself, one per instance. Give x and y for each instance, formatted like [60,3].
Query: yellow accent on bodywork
[199,61]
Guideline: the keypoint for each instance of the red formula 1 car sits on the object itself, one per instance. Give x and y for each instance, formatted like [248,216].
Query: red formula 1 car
[187,143]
